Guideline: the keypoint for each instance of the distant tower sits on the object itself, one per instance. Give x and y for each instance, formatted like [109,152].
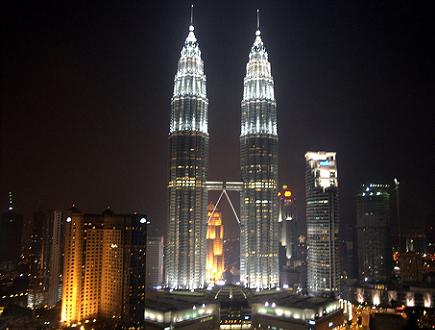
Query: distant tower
[11,231]
[35,298]
[45,259]
[322,216]
[374,232]
[287,221]
[188,167]
[215,245]
[259,168]
[398,239]
[53,243]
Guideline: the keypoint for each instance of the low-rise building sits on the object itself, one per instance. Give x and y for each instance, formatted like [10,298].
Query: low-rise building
[234,307]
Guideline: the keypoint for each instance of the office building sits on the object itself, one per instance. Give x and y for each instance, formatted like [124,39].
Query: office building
[287,224]
[104,269]
[52,259]
[154,264]
[292,261]
[215,264]
[373,232]
[188,166]
[287,221]
[349,253]
[411,267]
[322,214]
[259,238]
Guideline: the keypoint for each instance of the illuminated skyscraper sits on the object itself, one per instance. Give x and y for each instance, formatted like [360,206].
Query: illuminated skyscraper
[374,232]
[104,269]
[215,245]
[259,169]
[188,167]
[322,223]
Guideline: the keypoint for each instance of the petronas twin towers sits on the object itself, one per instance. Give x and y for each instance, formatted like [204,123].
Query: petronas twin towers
[185,262]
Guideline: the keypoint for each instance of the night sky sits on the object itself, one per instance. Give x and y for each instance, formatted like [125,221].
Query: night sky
[86,89]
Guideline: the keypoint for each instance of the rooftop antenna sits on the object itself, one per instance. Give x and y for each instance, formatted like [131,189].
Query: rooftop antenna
[258,19]
[191,14]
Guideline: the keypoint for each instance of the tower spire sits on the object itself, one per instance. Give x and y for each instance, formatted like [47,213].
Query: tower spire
[191,14]
[258,19]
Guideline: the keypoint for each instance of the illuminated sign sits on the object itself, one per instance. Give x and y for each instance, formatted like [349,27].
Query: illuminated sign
[324,163]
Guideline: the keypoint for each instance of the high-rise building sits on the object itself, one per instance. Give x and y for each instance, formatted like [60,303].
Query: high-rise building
[45,257]
[232,256]
[292,258]
[215,245]
[154,265]
[53,259]
[11,231]
[430,234]
[34,256]
[188,167]
[104,268]
[322,214]
[349,253]
[374,233]
[259,237]
[287,223]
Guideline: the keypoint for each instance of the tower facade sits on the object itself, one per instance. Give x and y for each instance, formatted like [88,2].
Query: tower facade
[188,167]
[322,216]
[373,232]
[215,245]
[154,266]
[259,170]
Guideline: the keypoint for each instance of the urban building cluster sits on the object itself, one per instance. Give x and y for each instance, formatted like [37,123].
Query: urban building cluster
[109,270]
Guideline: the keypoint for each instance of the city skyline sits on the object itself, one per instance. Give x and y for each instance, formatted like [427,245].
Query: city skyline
[66,108]
[302,120]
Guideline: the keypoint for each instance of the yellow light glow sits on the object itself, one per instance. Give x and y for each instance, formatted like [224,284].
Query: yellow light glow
[215,238]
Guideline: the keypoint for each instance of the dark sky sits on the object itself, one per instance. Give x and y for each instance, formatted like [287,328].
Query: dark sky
[86,88]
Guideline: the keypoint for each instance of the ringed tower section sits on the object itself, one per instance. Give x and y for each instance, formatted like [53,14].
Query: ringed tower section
[188,167]
[259,170]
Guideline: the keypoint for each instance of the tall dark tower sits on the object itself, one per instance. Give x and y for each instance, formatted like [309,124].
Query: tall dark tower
[11,232]
[188,167]
[259,165]
[373,229]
